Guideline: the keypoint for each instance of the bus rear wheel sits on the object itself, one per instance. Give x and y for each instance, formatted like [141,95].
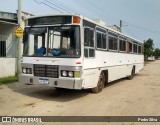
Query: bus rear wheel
[100,84]
[132,74]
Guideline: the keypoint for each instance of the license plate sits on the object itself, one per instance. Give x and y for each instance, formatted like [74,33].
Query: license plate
[43,81]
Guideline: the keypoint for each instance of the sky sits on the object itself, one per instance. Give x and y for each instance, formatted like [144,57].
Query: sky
[141,18]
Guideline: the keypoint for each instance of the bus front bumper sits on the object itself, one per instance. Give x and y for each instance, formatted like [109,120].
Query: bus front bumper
[55,82]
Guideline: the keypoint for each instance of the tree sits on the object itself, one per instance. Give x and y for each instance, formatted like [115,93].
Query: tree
[148,48]
[157,52]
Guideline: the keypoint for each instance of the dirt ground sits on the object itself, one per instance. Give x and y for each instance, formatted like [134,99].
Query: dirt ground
[137,97]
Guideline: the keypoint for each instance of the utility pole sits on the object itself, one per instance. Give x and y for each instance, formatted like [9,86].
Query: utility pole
[120,25]
[19,39]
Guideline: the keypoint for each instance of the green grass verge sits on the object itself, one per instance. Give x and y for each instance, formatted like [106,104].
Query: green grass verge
[8,80]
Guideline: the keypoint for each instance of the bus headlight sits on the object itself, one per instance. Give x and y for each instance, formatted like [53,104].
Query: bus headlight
[70,74]
[27,70]
[64,73]
[24,70]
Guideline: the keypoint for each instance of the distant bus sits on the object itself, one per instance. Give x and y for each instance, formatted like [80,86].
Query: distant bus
[74,52]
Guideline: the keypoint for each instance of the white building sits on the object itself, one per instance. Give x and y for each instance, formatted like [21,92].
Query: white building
[8,42]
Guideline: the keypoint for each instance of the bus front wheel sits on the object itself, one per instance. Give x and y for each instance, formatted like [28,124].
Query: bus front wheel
[100,84]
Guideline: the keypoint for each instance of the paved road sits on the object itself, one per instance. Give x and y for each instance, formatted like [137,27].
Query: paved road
[137,97]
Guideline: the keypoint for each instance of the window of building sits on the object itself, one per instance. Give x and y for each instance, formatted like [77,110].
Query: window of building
[89,50]
[101,40]
[2,48]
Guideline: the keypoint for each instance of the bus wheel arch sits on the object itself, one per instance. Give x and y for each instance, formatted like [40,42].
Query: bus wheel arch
[101,83]
[132,73]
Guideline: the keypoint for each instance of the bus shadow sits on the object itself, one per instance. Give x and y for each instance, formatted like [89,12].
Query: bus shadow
[52,94]
[48,93]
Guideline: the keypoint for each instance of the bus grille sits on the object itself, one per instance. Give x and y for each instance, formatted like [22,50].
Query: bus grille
[46,71]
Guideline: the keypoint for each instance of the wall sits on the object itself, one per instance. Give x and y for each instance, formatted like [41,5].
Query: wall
[7,34]
[7,29]
[8,67]
[9,16]
[8,25]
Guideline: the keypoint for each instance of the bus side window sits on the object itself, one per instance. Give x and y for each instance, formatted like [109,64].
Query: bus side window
[112,41]
[135,48]
[139,49]
[122,45]
[101,40]
[89,50]
[129,47]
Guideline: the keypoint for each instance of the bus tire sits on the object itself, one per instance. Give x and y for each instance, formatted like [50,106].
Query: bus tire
[100,84]
[132,74]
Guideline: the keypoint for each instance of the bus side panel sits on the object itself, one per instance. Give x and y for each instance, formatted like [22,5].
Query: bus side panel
[118,65]
[139,67]
[118,72]
[91,77]
[129,68]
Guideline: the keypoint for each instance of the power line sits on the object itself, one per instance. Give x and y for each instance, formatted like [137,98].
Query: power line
[66,6]
[91,8]
[142,28]
[47,5]
[131,33]
[85,7]
[96,11]
[57,6]
[37,1]
[133,25]
[101,10]
[101,14]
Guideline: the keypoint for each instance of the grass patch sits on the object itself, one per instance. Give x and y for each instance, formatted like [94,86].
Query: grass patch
[8,80]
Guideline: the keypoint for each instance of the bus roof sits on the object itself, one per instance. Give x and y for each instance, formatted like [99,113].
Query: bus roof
[54,15]
[89,20]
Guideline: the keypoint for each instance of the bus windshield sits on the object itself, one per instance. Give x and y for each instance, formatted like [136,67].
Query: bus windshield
[58,42]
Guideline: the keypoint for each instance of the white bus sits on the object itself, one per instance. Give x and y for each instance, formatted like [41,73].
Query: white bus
[74,52]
